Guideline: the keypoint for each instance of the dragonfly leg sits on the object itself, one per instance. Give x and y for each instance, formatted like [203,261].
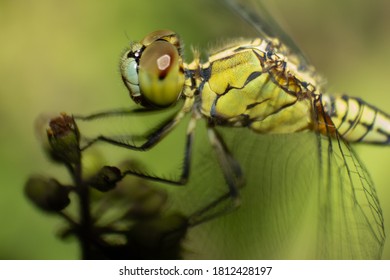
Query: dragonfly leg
[116,112]
[183,179]
[208,213]
[233,176]
[149,140]
[230,167]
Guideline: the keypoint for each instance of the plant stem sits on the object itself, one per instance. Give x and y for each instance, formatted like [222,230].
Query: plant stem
[85,232]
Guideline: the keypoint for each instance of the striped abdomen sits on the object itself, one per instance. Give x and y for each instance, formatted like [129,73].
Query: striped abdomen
[356,120]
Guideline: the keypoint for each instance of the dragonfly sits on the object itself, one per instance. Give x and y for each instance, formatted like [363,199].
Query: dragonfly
[254,88]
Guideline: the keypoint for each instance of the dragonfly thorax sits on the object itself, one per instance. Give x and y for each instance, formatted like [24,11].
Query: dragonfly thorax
[251,84]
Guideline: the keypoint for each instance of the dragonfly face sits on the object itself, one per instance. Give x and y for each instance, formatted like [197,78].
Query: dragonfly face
[152,70]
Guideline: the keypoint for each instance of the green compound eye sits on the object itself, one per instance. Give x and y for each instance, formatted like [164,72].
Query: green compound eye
[130,76]
[129,71]
[161,76]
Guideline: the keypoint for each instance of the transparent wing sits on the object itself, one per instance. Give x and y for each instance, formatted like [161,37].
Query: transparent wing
[297,203]
[256,14]
[349,206]
[280,191]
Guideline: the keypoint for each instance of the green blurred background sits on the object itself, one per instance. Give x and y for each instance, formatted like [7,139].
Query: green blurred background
[63,56]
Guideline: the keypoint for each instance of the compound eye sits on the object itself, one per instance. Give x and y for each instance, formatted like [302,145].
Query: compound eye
[161,76]
[165,34]
[130,76]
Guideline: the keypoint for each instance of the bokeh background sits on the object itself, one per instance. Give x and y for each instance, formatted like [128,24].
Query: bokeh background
[63,56]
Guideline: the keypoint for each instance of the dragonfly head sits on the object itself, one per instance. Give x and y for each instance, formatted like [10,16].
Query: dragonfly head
[152,69]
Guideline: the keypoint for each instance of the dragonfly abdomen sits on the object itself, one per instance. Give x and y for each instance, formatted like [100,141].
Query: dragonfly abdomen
[357,121]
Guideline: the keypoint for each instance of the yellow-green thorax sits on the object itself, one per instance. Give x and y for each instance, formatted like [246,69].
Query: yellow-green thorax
[253,85]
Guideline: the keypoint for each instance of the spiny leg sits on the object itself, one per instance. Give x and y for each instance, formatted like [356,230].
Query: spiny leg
[151,138]
[122,141]
[233,177]
[116,112]
[230,167]
[183,178]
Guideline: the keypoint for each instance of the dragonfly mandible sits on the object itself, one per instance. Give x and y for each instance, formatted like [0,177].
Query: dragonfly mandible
[266,86]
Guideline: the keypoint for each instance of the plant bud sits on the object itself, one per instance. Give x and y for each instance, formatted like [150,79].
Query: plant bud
[47,193]
[106,178]
[64,139]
